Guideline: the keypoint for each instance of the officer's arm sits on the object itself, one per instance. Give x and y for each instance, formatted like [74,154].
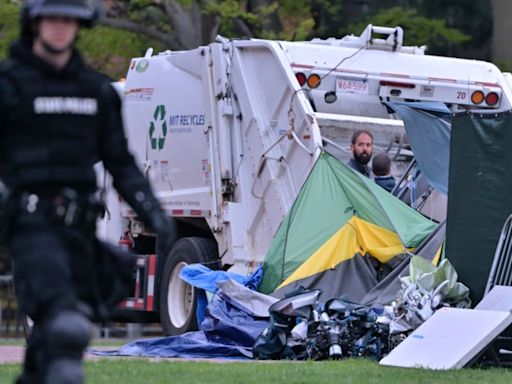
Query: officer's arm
[8,98]
[4,85]
[128,179]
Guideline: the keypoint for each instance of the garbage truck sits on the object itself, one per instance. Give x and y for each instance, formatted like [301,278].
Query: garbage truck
[227,134]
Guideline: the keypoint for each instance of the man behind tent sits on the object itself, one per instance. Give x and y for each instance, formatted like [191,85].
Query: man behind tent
[362,150]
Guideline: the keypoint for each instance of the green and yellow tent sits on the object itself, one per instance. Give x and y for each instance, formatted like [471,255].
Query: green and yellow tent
[340,235]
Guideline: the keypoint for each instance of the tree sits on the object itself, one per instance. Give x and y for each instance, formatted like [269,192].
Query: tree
[177,25]
[502,30]
[419,30]
[471,17]
[8,25]
[185,24]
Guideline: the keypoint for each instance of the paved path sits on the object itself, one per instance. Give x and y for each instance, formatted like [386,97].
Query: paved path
[14,354]
[11,354]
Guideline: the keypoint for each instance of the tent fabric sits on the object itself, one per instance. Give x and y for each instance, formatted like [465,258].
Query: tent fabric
[428,129]
[352,278]
[338,215]
[479,198]
[251,302]
[356,236]
[386,289]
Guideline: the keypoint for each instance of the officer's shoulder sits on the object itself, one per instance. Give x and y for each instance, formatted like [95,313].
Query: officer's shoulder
[8,70]
[8,65]
[94,77]
[100,81]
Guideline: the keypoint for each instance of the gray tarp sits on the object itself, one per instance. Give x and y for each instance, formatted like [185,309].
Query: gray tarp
[428,130]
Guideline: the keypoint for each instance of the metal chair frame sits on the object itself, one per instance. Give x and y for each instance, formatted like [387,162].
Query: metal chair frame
[501,269]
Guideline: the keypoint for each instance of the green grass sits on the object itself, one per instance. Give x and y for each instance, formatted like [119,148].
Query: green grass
[128,371]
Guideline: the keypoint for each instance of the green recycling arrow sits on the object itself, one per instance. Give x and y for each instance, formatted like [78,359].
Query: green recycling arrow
[157,139]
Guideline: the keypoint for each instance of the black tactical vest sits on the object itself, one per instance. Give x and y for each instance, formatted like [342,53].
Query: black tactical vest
[49,129]
[56,124]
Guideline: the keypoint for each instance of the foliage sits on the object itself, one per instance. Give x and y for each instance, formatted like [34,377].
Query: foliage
[272,19]
[329,20]
[470,17]
[296,19]
[504,65]
[229,11]
[418,30]
[9,28]
[110,50]
[448,27]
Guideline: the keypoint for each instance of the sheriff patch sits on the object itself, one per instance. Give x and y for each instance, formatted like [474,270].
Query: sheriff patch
[65,105]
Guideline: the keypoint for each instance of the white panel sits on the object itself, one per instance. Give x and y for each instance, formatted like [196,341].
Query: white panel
[451,338]
[498,299]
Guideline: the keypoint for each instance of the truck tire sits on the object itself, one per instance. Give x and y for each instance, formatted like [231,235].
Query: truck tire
[178,300]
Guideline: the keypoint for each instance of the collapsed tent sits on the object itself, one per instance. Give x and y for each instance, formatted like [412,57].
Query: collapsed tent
[342,235]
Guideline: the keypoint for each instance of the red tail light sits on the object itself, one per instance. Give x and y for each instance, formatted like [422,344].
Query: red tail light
[301,78]
[492,98]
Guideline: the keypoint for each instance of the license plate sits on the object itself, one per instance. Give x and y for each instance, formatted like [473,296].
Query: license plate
[352,86]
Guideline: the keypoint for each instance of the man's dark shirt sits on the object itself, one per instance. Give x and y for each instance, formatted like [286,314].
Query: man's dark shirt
[362,169]
[386,182]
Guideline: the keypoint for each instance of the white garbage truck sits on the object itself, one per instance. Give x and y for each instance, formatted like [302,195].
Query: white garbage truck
[227,134]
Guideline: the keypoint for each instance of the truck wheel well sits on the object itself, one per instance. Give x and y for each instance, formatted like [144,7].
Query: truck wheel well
[187,227]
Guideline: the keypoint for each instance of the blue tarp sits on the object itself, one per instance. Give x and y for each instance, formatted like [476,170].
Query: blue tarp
[206,279]
[428,126]
[226,332]
[200,276]
[229,329]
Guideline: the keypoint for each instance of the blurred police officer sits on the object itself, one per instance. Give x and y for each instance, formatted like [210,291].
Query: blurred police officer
[58,118]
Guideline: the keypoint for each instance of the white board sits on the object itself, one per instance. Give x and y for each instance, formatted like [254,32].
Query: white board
[451,338]
[499,298]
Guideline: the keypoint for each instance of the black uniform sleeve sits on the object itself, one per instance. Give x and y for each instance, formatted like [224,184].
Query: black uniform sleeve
[2,102]
[128,179]
[8,99]
[6,94]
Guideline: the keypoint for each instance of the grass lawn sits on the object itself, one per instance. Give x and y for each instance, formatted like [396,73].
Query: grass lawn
[128,371]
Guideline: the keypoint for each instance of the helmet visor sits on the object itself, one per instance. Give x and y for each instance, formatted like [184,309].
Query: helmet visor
[62,10]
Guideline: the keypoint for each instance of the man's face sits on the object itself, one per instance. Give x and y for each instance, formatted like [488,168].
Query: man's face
[58,32]
[362,149]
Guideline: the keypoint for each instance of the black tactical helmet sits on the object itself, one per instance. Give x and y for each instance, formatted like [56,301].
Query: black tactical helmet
[86,11]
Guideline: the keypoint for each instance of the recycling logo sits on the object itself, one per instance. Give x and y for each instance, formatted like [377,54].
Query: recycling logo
[158,128]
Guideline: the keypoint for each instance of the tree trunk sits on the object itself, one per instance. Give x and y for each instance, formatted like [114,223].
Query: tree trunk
[187,24]
[502,30]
